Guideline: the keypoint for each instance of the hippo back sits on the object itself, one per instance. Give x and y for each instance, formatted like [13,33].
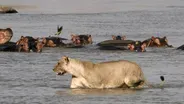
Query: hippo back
[56,40]
[115,43]
[181,47]
[4,9]
[8,47]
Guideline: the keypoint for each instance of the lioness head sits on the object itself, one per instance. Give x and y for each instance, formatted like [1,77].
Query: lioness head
[60,66]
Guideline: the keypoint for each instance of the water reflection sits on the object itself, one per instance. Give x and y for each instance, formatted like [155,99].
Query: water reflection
[118,91]
[97,91]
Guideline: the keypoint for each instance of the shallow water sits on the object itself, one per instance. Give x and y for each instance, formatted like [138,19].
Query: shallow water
[28,77]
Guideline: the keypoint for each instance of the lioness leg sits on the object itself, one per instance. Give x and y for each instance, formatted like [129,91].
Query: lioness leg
[133,81]
[77,83]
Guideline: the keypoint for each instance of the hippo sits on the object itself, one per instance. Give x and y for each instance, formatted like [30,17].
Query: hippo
[8,47]
[81,39]
[137,46]
[157,42]
[131,45]
[115,44]
[181,47]
[28,43]
[118,37]
[53,41]
[5,9]
[5,35]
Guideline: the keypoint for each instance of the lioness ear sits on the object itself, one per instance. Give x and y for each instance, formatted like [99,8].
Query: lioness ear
[65,59]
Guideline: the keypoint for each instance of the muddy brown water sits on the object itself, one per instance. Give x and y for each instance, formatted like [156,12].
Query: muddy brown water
[27,78]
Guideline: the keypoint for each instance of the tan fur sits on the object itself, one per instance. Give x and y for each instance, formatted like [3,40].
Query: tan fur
[113,74]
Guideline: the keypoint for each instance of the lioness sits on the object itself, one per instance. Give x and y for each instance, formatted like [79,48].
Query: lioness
[112,74]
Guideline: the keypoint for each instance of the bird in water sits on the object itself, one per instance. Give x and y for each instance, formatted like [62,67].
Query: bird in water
[59,29]
[162,79]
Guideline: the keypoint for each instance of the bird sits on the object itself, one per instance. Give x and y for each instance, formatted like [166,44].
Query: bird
[162,78]
[59,29]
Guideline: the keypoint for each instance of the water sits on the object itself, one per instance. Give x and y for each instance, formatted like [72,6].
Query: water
[28,77]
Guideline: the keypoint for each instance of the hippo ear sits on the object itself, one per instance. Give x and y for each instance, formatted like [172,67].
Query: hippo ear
[65,59]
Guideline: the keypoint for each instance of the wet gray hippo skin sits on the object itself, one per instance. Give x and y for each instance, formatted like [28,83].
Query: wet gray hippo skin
[115,44]
[121,45]
[4,9]
[8,47]
[181,47]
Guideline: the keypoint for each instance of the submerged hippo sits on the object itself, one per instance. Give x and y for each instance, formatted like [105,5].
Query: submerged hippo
[4,9]
[82,39]
[53,41]
[5,35]
[137,46]
[28,43]
[118,37]
[181,47]
[115,44]
[122,45]
[8,47]
[157,42]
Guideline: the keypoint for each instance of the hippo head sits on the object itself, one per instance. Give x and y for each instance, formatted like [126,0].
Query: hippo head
[39,46]
[22,44]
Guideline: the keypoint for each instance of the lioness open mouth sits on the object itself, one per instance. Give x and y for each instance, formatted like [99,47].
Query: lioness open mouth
[60,73]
